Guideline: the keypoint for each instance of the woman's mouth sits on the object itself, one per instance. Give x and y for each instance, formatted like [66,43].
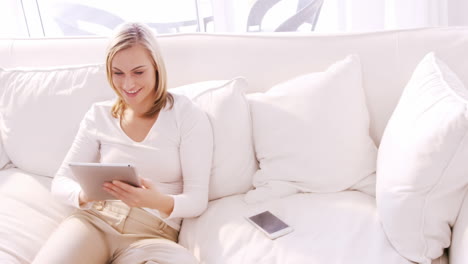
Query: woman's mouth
[132,93]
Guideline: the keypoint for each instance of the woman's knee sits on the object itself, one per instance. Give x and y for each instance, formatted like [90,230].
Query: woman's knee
[70,243]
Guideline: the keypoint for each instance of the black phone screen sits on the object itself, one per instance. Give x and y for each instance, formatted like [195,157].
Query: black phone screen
[269,222]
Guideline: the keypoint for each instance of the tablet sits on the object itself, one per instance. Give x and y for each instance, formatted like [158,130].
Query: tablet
[92,176]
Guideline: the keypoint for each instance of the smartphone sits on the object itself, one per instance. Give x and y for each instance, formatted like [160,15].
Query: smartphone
[270,225]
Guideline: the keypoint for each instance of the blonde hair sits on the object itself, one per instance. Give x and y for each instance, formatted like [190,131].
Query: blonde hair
[127,35]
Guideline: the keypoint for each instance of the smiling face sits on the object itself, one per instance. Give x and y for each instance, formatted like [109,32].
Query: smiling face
[134,77]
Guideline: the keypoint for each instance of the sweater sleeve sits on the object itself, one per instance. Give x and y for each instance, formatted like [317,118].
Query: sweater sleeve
[196,151]
[85,148]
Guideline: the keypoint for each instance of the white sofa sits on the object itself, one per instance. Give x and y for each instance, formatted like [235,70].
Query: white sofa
[329,227]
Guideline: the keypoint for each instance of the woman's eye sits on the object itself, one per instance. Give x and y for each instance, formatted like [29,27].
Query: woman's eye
[139,73]
[118,73]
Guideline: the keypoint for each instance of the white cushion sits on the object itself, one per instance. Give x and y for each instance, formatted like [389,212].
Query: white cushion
[4,160]
[311,133]
[329,228]
[28,215]
[41,110]
[422,162]
[233,156]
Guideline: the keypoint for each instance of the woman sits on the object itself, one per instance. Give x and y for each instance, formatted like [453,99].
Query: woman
[169,141]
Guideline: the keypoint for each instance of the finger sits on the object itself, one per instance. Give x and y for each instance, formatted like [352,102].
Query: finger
[112,192]
[117,191]
[128,200]
[147,183]
[123,186]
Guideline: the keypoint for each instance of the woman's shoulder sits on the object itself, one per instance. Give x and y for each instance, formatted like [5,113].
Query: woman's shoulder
[182,103]
[187,111]
[103,105]
[101,109]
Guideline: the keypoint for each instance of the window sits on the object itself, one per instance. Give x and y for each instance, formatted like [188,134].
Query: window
[12,19]
[58,18]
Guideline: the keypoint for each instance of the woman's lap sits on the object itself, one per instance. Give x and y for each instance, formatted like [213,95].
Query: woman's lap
[128,236]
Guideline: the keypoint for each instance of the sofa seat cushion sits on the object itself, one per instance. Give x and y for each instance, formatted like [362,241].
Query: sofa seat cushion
[331,228]
[28,215]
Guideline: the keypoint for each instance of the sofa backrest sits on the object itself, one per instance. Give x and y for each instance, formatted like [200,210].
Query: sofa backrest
[388,58]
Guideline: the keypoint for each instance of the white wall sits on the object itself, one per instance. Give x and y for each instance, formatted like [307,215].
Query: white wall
[458,12]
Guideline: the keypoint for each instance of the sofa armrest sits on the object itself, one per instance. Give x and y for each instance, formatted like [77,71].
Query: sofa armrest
[458,253]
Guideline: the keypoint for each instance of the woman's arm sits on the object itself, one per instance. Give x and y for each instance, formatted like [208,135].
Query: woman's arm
[85,148]
[196,157]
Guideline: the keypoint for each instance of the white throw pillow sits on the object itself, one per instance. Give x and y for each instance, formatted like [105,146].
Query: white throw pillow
[311,133]
[234,160]
[422,167]
[41,111]
[4,160]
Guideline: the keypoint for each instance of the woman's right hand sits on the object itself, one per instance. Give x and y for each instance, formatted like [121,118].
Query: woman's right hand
[83,198]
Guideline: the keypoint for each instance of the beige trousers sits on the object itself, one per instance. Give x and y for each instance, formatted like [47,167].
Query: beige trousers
[112,232]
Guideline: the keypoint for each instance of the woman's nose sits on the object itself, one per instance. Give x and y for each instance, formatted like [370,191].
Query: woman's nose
[129,84]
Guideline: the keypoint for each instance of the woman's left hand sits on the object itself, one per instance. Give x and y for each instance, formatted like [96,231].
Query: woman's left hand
[147,196]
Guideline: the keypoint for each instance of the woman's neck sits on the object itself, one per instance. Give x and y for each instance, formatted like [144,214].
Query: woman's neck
[137,110]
